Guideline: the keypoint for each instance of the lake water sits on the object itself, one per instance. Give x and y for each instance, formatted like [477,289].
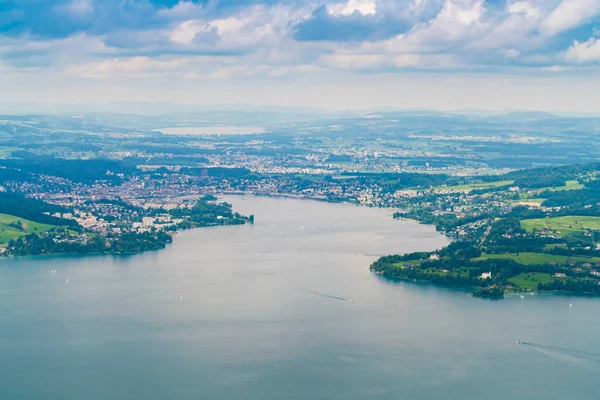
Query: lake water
[263,312]
[212,130]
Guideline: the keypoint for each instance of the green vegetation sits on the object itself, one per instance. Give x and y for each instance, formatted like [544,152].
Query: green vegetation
[32,209]
[207,212]
[526,258]
[551,244]
[569,185]
[565,225]
[77,170]
[530,280]
[23,237]
[12,227]
[59,241]
[490,292]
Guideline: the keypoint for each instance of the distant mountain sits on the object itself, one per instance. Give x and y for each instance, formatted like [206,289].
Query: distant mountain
[156,108]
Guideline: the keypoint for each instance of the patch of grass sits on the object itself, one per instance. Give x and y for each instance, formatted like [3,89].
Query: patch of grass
[528,200]
[565,225]
[530,280]
[413,263]
[584,259]
[569,185]
[9,229]
[555,245]
[526,258]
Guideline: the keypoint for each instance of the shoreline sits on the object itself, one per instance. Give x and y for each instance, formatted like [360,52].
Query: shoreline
[465,288]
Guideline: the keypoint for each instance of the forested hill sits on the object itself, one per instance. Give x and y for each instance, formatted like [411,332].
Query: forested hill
[32,209]
[76,170]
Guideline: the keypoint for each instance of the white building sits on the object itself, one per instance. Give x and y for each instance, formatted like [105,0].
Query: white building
[147,221]
[486,275]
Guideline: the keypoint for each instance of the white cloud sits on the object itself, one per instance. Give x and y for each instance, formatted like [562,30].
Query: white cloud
[80,8]
[511,53]
[364,7]
[523,7]
[252,28]
[125,66]
[583,52]
[569,14]
[354,61]
[186,32]
[554,68]
[357,62]
[182,10]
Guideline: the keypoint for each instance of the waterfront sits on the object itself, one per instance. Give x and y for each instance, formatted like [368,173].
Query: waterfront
[263,312]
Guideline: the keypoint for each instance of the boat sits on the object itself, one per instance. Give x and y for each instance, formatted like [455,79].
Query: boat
[519,342]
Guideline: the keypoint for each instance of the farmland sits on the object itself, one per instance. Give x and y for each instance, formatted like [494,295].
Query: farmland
[12,227]
[565,225]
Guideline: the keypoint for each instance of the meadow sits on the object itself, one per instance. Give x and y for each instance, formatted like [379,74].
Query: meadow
[10,228]
[565,225]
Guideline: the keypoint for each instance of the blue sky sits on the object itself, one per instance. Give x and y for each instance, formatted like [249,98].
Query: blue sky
[538,54]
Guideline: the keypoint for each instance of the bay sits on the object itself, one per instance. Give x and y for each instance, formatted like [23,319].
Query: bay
[283,309]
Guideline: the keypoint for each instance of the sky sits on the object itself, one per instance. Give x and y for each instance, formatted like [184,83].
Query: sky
[337,54]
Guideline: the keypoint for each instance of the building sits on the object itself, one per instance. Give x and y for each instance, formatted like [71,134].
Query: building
[147,221]
[486,275]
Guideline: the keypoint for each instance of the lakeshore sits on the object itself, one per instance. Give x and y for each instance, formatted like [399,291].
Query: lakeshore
[225,312]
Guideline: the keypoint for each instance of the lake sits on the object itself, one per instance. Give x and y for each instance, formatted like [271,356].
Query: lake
[264,312]
[212,130]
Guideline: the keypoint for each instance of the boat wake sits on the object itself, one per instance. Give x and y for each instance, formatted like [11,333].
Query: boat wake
[328,296]
[561,349]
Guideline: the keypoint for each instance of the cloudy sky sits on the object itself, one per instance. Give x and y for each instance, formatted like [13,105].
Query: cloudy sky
[444,54]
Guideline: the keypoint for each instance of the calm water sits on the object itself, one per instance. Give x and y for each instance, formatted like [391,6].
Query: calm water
[263,312]
[212,130]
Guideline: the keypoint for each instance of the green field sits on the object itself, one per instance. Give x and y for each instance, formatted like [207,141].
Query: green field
[8,232]
[564,225]
[526,258]
[475,186]
[530,280]
[569,185]
[538,258]
[414,263]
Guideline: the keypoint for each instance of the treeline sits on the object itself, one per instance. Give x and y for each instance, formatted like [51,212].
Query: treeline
[548,176]
[32,209]
[457,264]
[391,181]
[56,242]
[81,171]
[206,212]
[572,285]
[588,196]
